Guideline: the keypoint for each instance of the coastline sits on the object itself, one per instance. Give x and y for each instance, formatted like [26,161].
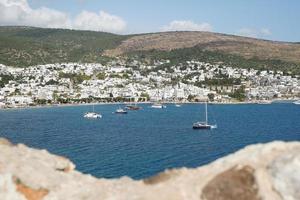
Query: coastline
[146,102]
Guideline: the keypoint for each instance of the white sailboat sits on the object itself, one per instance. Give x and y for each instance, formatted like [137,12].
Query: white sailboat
[92,115]
[158,102]
[204,125]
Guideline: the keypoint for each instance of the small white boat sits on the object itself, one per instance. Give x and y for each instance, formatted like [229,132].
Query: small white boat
[297,102]
[158,105]
[92,115]
[121,111]
[177,105]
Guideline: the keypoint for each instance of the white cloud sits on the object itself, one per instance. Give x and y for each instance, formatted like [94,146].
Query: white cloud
[187,25]
[255,33]
[265,32]
[99,22]
[18,12]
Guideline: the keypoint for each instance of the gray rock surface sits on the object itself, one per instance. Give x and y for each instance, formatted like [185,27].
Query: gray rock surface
[285,172]
[262,171]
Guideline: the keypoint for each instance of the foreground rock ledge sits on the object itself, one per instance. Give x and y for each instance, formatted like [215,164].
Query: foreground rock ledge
[262,171]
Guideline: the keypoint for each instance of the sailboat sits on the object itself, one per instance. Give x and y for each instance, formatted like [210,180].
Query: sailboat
[158,104]
[92,115]
[204,125]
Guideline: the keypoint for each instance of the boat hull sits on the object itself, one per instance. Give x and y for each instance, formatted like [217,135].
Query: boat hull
[121,113]
[202,127]
[92,115]
[158,106]
[132,108]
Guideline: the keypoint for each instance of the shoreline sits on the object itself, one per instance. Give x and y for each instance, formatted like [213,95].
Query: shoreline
[146,102]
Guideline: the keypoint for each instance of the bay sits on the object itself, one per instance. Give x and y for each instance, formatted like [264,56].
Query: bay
[146,142]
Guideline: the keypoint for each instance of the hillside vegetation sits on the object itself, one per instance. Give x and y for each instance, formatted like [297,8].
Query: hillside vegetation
[25,46]
[177,56]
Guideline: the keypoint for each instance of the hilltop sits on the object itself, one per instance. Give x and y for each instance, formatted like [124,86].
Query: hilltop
[24,46]
[237,45]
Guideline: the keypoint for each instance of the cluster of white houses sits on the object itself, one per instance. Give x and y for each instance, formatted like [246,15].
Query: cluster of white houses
[135,81]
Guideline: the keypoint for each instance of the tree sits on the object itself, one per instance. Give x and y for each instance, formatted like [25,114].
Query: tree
[4,79]
[146,96]
[191,97]
[211,97]
[239,94]
[101,76]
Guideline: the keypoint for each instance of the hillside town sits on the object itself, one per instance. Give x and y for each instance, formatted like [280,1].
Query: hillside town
[135,81]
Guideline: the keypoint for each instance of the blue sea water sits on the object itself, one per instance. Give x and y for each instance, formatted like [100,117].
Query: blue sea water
[145,142]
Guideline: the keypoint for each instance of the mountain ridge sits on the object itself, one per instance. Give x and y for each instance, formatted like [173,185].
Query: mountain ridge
[23,46]
[229,44]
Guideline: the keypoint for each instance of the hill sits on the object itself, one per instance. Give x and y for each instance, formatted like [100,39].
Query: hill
[231,50]
[24,46]
[236,45]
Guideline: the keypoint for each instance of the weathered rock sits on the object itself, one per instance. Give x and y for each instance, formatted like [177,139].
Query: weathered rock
[4,141]
[8,190]
[29,193]
[234,184]
[262,171]
[160,178]
[285,171]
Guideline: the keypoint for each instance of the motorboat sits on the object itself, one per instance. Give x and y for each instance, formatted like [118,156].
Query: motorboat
[121,111]
[177,105]
[132,107]
[297,102]
[158,105]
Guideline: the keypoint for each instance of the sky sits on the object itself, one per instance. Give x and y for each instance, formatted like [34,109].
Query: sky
[266,19]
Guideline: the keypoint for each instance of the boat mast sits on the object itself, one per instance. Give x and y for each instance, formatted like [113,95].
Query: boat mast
[206,112]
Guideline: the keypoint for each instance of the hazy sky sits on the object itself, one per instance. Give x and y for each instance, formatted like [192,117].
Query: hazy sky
[269,19]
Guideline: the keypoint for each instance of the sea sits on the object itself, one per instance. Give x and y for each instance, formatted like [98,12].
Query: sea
[143,143]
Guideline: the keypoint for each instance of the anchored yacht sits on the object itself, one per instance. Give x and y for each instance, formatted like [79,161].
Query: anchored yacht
[92,115]
[204,125]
